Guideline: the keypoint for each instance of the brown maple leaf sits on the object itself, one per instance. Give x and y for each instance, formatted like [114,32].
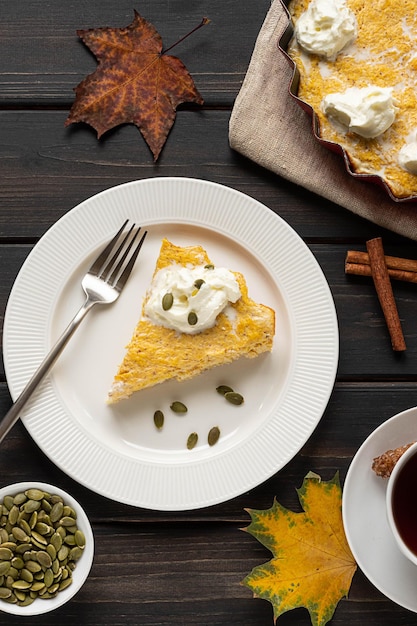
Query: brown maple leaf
[135,82]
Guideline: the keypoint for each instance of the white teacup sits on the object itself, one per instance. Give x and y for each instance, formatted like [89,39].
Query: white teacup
[401,501]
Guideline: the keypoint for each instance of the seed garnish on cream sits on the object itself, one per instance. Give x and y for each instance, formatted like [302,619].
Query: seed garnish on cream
[189,299]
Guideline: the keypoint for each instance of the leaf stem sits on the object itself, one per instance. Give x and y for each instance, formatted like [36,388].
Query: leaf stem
[203,22]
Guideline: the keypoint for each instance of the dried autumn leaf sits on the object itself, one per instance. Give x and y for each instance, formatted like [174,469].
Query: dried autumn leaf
[135,82]
[312,565]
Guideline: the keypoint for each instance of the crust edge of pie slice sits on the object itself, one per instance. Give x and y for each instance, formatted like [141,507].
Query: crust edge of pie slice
[156,354]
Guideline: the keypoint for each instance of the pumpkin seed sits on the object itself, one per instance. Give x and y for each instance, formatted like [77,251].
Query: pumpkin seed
[213,435]
[178,407]
[234,398]
[67,521]
[158,418]
[13,514]
[223,389]
[33,566]
[25,574]
[65,583]
[21,584]
[167,301]
[192,318]
[209,266]
[8,502]
[199,283]
[19,498]
[6,554]
[35,494]
[44,559]
[4,567]
[80,538]
[5,593]
[31,505]
[192,441]
[56,511]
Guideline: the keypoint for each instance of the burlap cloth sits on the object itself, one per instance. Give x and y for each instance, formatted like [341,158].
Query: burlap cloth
[270,128]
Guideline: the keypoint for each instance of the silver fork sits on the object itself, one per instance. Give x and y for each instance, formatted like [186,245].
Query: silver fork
[102,284]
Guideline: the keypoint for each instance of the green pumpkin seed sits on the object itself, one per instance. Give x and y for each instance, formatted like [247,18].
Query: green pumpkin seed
[31,505]
[192,441]
[8,502]
[167,301]
[33,566]
[56,541]
[19,499]
[67,521]
[42,528]
[13,514]
[6,554]
[5,593]
[4,567]
[25,574]
[192,318]
[75,553]
[51,551]
[21,584]
[63,553]
[158,418]
[44,559]
[223,389]
[65,583]
[80,538]
[35,494]
[213,435]
[38,539]
[234,398]
[22,548]
[56,511]
[17,562]
[209,266]
[199,283]
[178,407]
[49,578]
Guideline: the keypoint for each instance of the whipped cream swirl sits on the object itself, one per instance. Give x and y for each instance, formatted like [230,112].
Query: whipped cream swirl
[189,299]
[326,27]
[367,111]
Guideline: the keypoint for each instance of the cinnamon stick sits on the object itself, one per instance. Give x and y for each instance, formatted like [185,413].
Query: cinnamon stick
[358,263]
[385,294]
[361,269]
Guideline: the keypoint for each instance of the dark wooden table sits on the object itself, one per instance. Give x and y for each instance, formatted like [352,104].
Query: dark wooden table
[159,568]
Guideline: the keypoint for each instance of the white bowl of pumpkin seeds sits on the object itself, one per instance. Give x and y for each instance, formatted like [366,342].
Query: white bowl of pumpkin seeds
[46,548]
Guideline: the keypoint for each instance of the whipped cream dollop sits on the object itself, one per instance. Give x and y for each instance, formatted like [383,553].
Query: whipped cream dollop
[407,156]
[326,27]
[189,299]
[367,111]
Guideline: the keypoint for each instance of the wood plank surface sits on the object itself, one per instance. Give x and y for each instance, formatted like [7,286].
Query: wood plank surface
[154,568]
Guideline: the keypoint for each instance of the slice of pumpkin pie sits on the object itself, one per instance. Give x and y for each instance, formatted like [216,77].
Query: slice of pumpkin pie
[195,316]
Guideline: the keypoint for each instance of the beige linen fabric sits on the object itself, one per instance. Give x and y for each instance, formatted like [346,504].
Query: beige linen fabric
[270,128]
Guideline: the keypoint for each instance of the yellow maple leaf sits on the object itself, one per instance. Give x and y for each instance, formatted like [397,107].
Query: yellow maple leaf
[312,566]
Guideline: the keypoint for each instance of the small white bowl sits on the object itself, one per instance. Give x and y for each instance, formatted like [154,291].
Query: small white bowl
[83,565]
[402,461]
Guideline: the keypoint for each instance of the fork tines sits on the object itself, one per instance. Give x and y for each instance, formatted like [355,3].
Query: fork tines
[117,259]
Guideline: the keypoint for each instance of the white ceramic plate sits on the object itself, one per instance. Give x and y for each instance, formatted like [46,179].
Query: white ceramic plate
[116,451]
[364,514]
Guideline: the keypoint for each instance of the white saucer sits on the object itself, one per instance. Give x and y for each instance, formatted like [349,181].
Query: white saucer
[364,514]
